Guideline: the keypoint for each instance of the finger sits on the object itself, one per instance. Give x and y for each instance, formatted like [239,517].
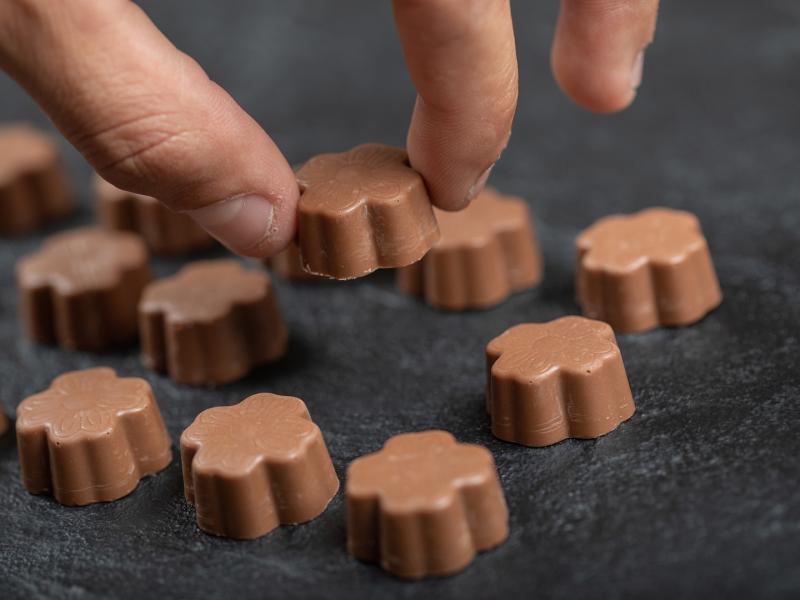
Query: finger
[461,57]
[598,52]
[148,118]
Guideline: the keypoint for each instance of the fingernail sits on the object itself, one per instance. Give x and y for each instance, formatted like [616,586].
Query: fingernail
[637,70]
[241,223]
[479,184]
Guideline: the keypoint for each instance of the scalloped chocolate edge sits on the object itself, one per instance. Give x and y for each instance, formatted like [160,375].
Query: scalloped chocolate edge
[185,352]
[572,395]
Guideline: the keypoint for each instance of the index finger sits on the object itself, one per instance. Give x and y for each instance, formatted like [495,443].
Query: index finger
[463,62]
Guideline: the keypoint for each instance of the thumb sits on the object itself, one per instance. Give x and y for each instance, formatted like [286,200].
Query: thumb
[149,119]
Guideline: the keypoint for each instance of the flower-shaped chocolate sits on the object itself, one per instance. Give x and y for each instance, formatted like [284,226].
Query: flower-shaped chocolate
[164,231]
[424,505]
[644,270]
[33,185]
[211,323]
[551,381]
[81,289]
[90,437]
[251,467]
[362,210]
[486,252]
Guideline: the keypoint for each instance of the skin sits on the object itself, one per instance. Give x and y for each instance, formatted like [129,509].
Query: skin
[149,120]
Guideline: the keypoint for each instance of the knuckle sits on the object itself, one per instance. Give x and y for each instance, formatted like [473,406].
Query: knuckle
[145,152]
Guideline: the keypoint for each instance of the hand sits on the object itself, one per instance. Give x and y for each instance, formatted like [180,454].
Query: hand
[149,120]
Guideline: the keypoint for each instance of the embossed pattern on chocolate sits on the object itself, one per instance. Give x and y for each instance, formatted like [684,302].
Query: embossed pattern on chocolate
[361,210]
[547,382]
[164,231]
[211,323]
[651,268]
[33,184]
[424,505]
[251,467]
[485,253]
[81,289]
[90,437]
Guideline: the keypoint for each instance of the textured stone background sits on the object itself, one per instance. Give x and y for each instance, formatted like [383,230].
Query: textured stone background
[696,496]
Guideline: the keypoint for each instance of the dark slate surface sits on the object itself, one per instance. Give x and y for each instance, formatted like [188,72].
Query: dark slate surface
[696,496]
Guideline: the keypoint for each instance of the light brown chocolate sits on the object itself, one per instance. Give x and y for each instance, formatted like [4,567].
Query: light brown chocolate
[547,382]
[424,505]
[362,210]
[90,437]
[81,289]
[640,271]
[485,253]
[289,265]
[164,231]
[33,183]
[211,323]
[251,467]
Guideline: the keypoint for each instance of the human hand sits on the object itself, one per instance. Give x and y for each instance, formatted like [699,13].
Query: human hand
[149,120]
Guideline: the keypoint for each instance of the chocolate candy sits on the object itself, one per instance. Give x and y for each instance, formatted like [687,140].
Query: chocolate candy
[3,422]
[164,231]
[289,265]
[211,323]
[362,210]
[547,382]
[486,252]
[81,289]
[90,437]
[33,184]
[424,505]
[651,268]
[251,467]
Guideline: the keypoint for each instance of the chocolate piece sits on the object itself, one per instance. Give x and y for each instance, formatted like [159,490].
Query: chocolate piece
[211,323]
[164,231]
[3,422]
[33,184]
[362,210]
[90,437]
[486,252]
[251,467]
[288,264]
[81,289]
[424,505]
[547,382]
[647,269]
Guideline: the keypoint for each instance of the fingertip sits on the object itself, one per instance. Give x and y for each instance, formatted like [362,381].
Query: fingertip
[598,92]
[455,155]
[250,225]
[598,51]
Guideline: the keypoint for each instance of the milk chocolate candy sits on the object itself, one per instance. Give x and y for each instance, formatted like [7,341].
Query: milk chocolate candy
[251,467]
[424,505]
[289,265]
[362,210]
[211,323]
[485,253]
[651,268]
[33,184]
[90,437]
[81,289]
[547,382]
[164,231]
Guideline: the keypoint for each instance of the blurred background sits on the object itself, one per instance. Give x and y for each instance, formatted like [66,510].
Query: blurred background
[696,496]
